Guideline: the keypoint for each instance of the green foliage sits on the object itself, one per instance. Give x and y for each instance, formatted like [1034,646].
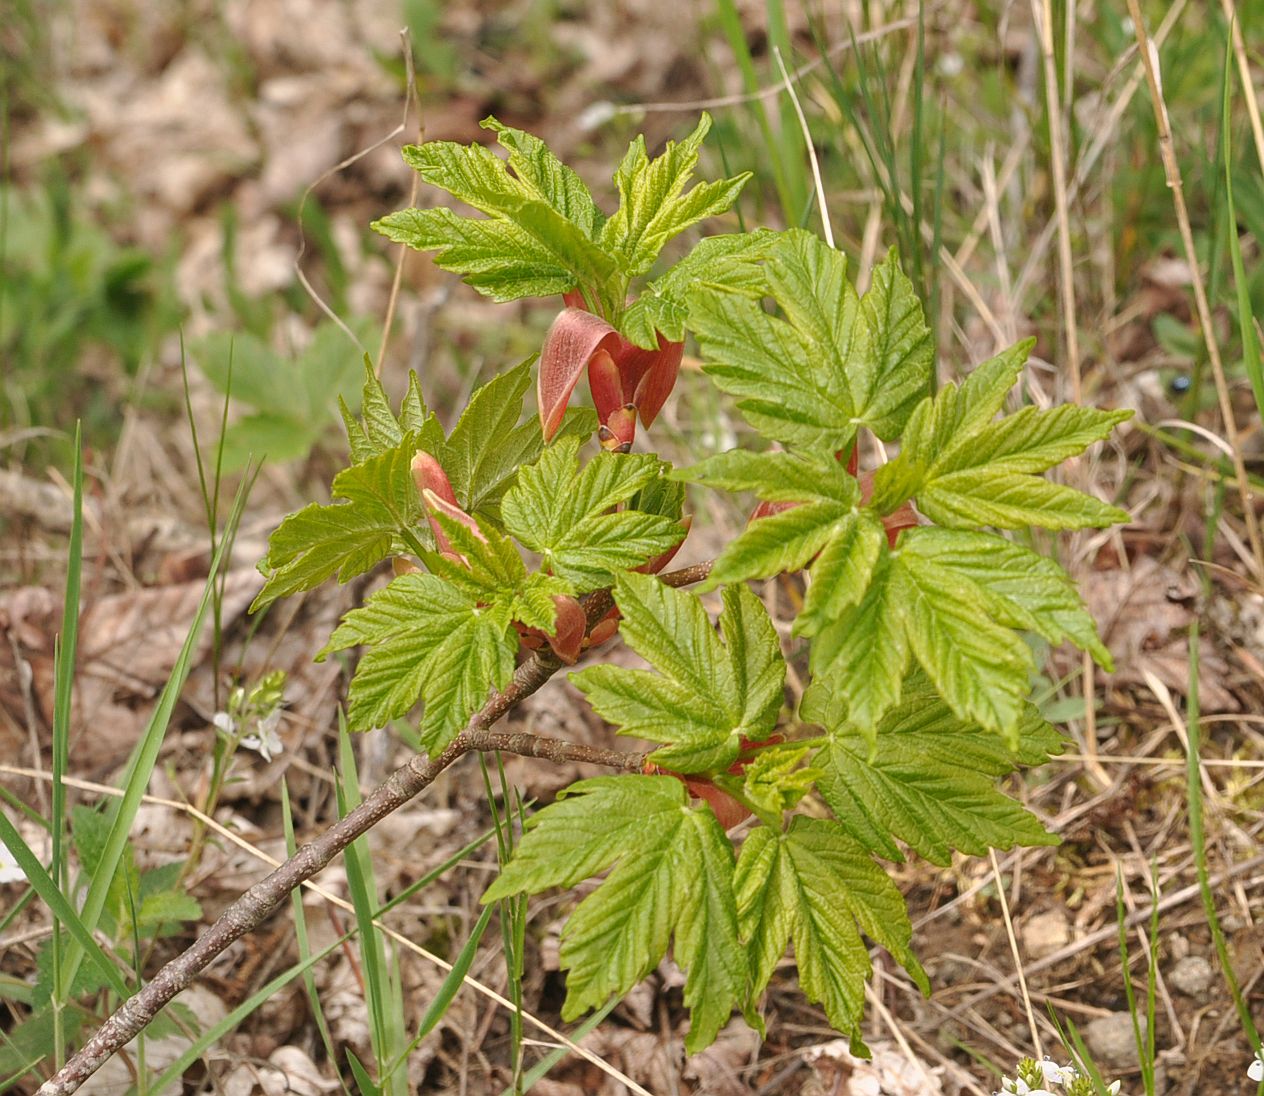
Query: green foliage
[832,362]
[379,516]
[814,885]
[918,616]
[707,695]
[619,933]
[66,286]
[543,234]
[927,777]
[565,514]
[290,400]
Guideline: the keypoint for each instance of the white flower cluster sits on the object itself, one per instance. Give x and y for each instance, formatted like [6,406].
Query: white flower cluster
[1037,1078]
[252,718]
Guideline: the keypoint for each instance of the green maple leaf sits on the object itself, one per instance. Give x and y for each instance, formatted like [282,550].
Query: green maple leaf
[952,599]
[728,262]
[830,526]
[773,782]
[832,362]
[654,205]
[562,513]
[446,637]
[428,639]
[929,778]
[966,471]
[709,690]
[378,428]
[539,238]
[488,446]
[818,887]
[378,518]
[642,826]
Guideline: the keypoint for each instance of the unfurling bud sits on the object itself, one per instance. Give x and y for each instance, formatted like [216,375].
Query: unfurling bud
[569,627]
[619,430]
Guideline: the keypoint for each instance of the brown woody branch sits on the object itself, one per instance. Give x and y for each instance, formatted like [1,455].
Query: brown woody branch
[258,903]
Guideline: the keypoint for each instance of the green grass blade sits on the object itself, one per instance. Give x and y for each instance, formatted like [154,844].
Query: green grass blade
[141,766]
[300,932]
[57,903]
[67,646]
[171,1075]
[1198,837]
[541,1069]
[1246,326]
[384,1000]
[453,982]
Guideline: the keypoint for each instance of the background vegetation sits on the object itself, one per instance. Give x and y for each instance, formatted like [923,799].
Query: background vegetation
[184,214]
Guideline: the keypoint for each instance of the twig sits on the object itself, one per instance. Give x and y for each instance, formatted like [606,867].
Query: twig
[258,903]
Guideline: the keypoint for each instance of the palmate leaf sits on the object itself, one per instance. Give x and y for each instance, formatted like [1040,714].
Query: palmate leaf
[709,692]
[952,599]
[445,637]
[428,639]
[495,257]
[561,512]
[654,205]
[966,471]
[728,262]
[818,887]
[835,362]
[378,428]
[844,538]
[618,934]
[929,779]
[378,518]
[540,235]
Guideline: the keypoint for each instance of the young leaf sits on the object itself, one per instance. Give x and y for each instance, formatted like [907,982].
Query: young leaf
[966,471]
[895,377]
[378,429]
[620,932]
[929,779]
[952,598]
[652,207]
[707,695]
[845,540]
[497,258]
[563,514]
[534,244]
[379,518]
[833,363]
[552,180]
[1023,589]
[487,446]
[727,262]
[815,885]
[431,640]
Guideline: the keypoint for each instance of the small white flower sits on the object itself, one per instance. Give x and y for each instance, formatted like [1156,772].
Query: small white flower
[1055,1074]
[1256,1069]
[265,741]
[9,870]
[225,722]
[1113,1088]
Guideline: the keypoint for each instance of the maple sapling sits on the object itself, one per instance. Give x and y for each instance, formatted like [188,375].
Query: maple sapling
[526,545]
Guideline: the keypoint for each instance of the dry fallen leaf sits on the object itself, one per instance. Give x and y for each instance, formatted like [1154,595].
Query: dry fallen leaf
[128,643]
[1144,616]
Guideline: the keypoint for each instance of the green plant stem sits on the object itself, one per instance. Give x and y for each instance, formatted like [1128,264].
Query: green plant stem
[258,903]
